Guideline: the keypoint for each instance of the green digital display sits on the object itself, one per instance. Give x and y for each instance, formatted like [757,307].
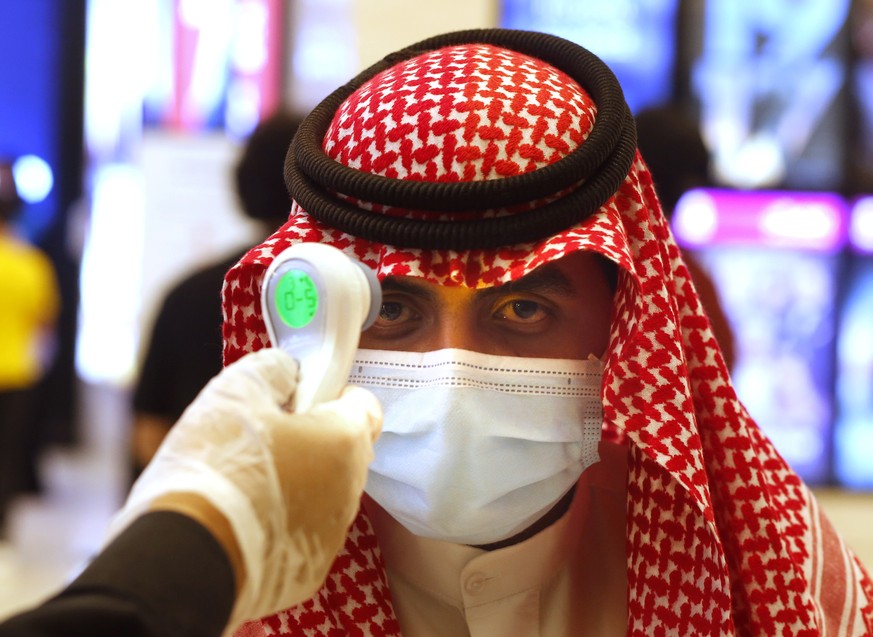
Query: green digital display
[296,298]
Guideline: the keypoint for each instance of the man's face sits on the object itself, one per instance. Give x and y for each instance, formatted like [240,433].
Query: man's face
[560,310]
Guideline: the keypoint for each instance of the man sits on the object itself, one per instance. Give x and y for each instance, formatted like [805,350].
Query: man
[562,452]
[486,176]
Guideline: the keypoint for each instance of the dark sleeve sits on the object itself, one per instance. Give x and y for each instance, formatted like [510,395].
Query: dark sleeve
[165,575]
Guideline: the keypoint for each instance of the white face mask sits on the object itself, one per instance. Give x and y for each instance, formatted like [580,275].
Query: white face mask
[476,448]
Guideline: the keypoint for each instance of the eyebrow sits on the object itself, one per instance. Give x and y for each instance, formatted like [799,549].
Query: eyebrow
[545,279]
[407,285]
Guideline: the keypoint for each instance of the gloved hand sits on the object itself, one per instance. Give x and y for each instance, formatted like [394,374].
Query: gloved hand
[288,484]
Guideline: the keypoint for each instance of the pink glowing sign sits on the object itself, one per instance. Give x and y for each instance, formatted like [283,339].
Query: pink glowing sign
[816,221]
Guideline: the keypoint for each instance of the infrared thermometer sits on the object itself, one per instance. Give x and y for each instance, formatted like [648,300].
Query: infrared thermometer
[316,301]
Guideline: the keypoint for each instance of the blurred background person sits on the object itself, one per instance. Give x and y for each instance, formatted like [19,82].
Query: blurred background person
[29,306]
[184,349]
[679,161]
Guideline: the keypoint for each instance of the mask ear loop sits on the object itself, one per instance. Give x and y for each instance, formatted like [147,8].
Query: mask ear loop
[592,172]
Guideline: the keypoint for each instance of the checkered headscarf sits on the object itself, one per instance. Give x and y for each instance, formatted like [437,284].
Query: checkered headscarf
[722,537]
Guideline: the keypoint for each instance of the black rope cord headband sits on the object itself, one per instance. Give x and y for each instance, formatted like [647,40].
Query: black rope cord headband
[601,164]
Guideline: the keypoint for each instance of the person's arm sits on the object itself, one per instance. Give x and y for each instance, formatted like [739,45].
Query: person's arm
[240,514]
[166,575]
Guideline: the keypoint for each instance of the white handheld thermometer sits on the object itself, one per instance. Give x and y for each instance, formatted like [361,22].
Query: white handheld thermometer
[316,301]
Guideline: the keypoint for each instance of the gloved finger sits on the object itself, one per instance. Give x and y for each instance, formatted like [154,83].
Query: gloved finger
[268,373]
[364,405]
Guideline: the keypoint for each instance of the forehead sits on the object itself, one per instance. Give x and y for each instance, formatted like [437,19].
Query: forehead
[572,274]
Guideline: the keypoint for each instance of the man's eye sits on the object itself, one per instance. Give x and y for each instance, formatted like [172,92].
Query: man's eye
[390,311]
[521,310]
[525,309]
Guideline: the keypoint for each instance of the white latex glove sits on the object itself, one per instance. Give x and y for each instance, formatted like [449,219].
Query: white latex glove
[288,484]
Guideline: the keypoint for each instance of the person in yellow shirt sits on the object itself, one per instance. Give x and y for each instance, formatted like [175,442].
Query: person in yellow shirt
[29,305]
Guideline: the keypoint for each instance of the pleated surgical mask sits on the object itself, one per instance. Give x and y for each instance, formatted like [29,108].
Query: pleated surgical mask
[475,448]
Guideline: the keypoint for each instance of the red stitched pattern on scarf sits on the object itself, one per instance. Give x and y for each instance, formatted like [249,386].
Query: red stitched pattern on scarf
[354,601]
[722,536]
[460,114]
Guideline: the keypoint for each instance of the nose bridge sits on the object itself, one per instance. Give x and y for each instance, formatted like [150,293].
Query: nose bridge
[455,324]
[455,331]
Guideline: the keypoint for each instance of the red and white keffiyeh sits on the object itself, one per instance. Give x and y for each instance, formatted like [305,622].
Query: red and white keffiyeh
[722,537]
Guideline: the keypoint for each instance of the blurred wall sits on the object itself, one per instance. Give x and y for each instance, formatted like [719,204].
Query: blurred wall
[384,26]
